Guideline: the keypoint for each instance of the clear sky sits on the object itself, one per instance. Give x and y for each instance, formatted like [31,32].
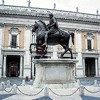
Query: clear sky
[85,6]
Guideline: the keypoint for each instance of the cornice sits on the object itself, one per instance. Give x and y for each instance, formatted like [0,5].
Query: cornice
[41,12]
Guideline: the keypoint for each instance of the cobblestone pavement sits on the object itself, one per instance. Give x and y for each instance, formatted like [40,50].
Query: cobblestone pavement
[90,93]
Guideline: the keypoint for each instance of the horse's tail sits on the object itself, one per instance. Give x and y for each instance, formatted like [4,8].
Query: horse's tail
[72,35]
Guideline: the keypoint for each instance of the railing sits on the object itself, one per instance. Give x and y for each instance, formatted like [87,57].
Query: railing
[46,90]
[44,12]
[6,87]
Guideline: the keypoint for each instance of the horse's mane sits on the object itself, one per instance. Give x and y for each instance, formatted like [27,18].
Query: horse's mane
[43,24]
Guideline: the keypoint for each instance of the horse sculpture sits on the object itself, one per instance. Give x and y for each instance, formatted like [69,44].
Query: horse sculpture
[60,37]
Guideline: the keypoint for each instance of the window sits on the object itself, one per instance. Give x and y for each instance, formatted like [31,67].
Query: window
[14,41]
[89,45]
[14,34]
[89,41]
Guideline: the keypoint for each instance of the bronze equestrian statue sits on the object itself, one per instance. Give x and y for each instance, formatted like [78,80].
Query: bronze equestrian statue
[52,27]
[51,35]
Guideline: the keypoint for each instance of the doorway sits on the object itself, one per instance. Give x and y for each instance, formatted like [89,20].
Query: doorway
[13,68]
[90,67]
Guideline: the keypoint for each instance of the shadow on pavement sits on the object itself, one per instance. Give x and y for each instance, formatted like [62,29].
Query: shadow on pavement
[90,98]
[43,98]
[3,96]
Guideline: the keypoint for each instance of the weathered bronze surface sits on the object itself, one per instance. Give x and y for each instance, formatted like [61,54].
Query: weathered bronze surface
[44,37]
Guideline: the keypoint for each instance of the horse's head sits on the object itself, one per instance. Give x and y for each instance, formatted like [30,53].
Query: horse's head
[35,27]
[40,26]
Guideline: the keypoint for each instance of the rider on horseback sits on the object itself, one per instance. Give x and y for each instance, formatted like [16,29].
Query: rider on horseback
[52,26]
[54,35]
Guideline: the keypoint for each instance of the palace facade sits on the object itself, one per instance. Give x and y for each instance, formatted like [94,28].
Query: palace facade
[16,36]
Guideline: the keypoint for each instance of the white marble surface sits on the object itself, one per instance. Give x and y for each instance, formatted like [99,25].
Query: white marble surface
[56,72]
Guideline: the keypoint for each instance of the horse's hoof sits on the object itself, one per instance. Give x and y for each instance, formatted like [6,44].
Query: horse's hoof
[71,57]
[61,56]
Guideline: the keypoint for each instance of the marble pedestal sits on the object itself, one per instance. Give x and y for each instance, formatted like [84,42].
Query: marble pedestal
[54,73]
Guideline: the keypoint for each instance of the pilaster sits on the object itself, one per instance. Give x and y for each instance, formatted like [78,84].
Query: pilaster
[78,34]
[98,41]
[27,57]
[79,67]
[1,44]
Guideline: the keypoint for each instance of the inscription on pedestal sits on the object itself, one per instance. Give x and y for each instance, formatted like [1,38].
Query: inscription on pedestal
[55,75]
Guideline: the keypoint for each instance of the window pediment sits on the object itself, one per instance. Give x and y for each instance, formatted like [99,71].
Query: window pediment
[14,31]
[89,36]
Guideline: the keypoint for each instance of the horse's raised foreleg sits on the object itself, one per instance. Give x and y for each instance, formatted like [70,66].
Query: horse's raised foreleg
[44,51]
[30,48]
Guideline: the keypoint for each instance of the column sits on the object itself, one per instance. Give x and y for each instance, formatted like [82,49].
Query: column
[31,73]
[84,66]
[21,67]
[1,67]
[99,64]
[96,68]
[4,66]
